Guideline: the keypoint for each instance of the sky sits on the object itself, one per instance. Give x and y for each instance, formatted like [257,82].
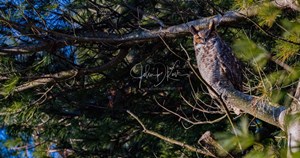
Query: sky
[8,152]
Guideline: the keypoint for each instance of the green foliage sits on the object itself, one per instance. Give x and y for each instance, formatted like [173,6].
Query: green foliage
[272,83]
[269,81]
[268,13]
[15,107]
[241,138]
[9,86]
[13,142]
[261,153]
[285,50]
[232,142]
[248,50]
[242,4]
[39,151]
[297,154]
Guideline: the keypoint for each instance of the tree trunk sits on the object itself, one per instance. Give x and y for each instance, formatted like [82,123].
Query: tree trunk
[291,121]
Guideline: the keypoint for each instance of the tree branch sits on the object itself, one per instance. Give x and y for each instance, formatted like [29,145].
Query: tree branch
[31,48]
[169,32]
[139,36]
[208,139]
[63,75]
[253,106]
[187,119]
[46,79]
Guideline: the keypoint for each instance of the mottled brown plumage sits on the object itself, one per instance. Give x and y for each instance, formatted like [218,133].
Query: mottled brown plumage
[217,65]
[216,62]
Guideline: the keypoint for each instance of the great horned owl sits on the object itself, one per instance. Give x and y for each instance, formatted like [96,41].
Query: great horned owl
[216,63]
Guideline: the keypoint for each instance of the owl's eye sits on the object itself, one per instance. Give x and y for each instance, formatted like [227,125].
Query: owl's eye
[199,40]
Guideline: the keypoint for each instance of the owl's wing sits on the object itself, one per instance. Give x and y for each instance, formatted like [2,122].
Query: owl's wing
[231,66]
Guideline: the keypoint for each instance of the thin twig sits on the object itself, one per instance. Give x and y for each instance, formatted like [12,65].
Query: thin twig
[186,119]
[170,140]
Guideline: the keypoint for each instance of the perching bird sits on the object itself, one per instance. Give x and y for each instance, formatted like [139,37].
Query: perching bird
[217,65]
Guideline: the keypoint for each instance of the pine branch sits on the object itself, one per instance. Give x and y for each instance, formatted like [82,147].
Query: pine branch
[68,74]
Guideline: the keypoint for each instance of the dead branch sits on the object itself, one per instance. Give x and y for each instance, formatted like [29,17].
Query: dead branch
[208,139]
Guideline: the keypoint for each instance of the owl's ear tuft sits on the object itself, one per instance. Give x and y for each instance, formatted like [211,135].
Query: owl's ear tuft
[193,30]
[211,25]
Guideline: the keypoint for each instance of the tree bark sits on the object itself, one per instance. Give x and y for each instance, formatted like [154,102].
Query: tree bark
[253,106]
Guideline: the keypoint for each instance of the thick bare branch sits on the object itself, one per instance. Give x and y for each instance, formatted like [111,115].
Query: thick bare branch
[253,106]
